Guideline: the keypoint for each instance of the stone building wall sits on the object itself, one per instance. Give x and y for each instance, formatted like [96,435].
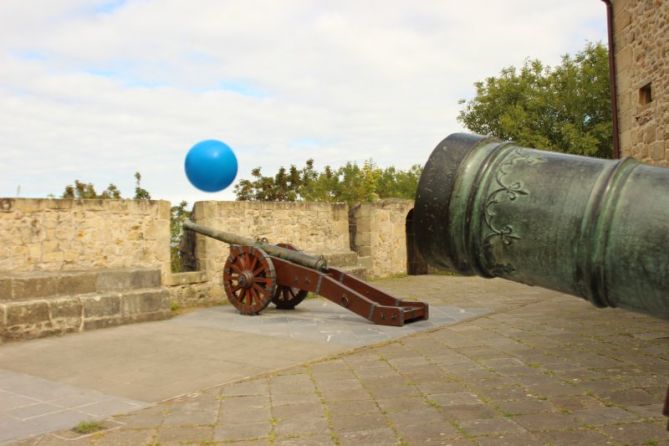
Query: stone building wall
[380,236]
[67,235]
[641,39]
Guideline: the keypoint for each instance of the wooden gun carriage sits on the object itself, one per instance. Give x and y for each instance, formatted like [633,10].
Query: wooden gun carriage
[257,273]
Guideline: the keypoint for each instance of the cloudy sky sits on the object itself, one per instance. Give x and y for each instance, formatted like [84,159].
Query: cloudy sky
[98,89]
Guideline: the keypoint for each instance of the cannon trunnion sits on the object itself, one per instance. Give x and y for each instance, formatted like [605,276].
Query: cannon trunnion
[257,273]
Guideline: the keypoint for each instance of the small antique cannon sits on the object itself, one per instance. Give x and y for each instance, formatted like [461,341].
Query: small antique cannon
[257,273]
[594,228]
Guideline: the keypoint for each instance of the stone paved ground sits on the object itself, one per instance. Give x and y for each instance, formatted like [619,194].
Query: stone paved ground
[541,369]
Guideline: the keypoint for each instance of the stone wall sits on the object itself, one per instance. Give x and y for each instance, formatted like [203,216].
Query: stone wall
[49,235]
[380,236]
[641,30]
[55,235]
[312,227]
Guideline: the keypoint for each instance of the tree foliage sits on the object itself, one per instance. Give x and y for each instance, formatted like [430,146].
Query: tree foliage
[178,260]
[350,183]
[83,191]
[86,191]
[566,108]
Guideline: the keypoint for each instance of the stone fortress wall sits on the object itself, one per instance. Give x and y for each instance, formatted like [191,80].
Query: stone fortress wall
[51,237]
[67,235]
[641,40]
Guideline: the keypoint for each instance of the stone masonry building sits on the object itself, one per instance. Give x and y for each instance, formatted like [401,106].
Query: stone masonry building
[640,31]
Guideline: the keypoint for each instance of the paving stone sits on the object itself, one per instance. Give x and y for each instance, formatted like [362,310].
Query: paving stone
[583,437]
[508,439]
[246,388]
[637,433]
[575,402]
[428,433]
[525,406]
[373,437]
[306,440]
[181,434]
[470,412]
[402,404]
[604,415]
[236,431]
[359,422]
[489,426]
[541,422]
[417,416]
[126,437]
[144,418]
[454,399]
[629,397]
[351,407]
[299,425]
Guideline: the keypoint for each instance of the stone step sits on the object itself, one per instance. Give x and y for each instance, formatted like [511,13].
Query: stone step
[51,284]
[34,318]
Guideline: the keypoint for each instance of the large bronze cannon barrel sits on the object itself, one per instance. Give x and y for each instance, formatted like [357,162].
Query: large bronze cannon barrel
[317,263]
[590,227]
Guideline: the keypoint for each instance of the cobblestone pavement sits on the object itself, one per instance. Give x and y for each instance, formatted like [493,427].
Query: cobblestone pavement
[541,369]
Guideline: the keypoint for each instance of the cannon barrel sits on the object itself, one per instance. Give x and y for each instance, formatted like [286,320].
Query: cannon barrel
[594,228]
[317,263]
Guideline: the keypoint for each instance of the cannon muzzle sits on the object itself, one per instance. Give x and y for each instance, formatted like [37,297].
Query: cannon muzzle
[594,228]
[317,263]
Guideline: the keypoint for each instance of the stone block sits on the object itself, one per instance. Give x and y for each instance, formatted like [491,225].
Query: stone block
[364,251]
[66,308]
[657,150]
[31,287]
[5,288]
[77,283]
[144,302]
[127,279]
[27,313]
[104,305]
[186,278]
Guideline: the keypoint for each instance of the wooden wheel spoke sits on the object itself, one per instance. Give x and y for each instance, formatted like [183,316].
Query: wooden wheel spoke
[253,263]
[236,268]
[260,290]
[254,296]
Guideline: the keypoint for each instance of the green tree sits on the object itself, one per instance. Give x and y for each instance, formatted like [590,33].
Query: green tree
[86,191]
[140,193]
[179,255]
[350,183]
[566,108]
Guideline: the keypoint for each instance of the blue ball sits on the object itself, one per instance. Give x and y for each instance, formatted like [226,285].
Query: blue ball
[211,165]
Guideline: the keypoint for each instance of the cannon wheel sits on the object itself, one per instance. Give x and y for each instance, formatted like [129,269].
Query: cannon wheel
[285,297]
[249,279]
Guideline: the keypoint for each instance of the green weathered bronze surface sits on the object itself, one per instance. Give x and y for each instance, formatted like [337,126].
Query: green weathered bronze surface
[590,227]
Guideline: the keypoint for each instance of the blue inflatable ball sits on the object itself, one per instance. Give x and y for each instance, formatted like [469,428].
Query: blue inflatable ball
[211,165]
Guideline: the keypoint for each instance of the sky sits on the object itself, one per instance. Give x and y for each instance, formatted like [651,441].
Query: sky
[97,90]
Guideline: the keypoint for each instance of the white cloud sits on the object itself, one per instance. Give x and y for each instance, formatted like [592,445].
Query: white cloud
[98,91]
